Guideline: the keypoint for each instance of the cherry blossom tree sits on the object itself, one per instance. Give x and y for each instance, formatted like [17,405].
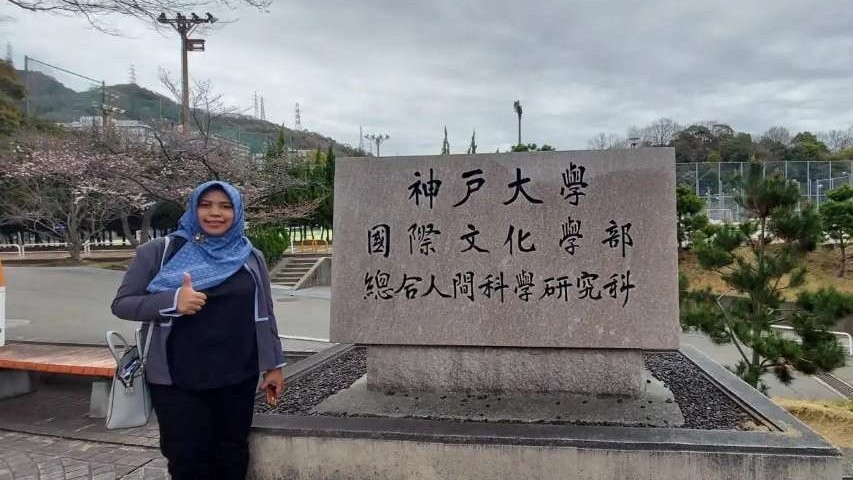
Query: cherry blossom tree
[58,185]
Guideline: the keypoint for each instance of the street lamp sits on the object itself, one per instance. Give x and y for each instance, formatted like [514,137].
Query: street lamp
[377,139]
[184,26]
[517,106]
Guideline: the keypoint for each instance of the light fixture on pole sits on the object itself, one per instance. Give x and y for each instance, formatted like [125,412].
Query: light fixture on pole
[517,106]
[184,26]
[378,139]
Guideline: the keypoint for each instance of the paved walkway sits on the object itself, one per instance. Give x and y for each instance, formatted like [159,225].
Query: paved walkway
[35,457]
[72,305]
[803,387]
[48,435]
[31,457]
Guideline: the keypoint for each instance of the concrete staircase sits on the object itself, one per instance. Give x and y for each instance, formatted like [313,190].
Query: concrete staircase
[295,268]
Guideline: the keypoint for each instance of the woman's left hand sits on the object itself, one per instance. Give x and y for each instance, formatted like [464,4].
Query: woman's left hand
[273,384]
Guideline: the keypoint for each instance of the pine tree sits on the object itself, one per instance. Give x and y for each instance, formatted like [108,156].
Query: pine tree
[690,217]
[760,259]
[445,146]
[472,149]
[837,215]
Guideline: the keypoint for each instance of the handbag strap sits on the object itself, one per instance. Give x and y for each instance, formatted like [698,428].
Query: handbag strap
[143,350]
[112,346]
[166,240]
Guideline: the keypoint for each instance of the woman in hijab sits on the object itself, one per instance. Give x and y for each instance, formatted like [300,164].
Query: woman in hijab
[206,292]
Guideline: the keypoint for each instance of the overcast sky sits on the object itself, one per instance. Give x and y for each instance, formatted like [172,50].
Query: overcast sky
[407,68]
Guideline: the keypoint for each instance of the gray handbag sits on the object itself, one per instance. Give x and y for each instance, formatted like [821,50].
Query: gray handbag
[130,402]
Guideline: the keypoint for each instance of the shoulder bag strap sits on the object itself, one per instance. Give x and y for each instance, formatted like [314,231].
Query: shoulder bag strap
[144,350]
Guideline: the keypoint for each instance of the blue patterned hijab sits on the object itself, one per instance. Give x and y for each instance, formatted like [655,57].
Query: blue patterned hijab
[210,260]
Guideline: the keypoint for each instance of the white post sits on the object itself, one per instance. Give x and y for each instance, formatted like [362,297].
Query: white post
[2,307]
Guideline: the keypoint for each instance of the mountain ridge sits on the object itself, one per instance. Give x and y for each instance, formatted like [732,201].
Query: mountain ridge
[51,100]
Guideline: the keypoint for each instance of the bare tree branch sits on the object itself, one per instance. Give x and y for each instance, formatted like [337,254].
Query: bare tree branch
[146,10]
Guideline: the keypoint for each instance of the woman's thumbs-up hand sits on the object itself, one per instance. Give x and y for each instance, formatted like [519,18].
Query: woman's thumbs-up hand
[189,300]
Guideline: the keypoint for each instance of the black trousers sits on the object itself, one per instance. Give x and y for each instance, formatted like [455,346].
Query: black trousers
[204,433]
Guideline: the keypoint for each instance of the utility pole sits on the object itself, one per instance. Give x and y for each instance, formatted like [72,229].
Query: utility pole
[184,26]
[517,106]
[377,139]
[27,84]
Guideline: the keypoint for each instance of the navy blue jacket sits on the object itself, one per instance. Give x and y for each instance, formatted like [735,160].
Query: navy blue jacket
[133,302]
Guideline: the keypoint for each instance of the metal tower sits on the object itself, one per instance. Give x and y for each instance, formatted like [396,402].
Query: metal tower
[297,124]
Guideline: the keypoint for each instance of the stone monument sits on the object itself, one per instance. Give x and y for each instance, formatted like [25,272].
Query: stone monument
[543,272]
[506,302]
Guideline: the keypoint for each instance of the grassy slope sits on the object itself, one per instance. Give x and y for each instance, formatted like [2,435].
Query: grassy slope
[822,266]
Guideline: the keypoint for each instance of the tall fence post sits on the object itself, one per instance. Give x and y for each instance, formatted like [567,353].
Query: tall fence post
[2,307]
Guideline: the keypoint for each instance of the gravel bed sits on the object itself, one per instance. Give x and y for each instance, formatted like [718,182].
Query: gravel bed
[308,391]
[703,405]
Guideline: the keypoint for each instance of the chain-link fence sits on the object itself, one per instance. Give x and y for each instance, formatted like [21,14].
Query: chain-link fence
[715,182]
[61,95]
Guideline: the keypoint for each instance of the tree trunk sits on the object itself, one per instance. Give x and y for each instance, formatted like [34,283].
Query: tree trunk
[72,232]
[843,267]
[147,215]
[72,238]
[125,227]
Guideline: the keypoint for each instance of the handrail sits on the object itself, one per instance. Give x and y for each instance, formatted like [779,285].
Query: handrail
[17,247]
[841,334]
[87,246]
[304,339]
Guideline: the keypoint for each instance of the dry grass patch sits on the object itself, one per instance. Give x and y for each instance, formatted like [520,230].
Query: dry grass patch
[822,267]
[831,419]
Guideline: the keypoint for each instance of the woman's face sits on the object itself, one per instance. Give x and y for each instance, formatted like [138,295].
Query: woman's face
[215,212]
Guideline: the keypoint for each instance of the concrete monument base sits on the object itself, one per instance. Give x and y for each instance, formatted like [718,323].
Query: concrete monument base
[411,368]
[315,458]
[654,407]
[333,447]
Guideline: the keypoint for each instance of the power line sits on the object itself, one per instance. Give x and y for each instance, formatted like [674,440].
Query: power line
[30,61]
[33,60]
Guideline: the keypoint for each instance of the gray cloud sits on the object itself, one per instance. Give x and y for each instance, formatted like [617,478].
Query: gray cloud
[409,68]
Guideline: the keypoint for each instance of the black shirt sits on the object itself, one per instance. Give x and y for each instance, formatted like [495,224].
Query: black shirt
[217,346]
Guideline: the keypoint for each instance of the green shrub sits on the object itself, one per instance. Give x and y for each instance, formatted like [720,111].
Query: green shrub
[271,241]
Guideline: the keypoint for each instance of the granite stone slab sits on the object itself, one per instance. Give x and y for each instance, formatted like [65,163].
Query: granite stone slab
[546,249]
[503,369]
[654,407]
